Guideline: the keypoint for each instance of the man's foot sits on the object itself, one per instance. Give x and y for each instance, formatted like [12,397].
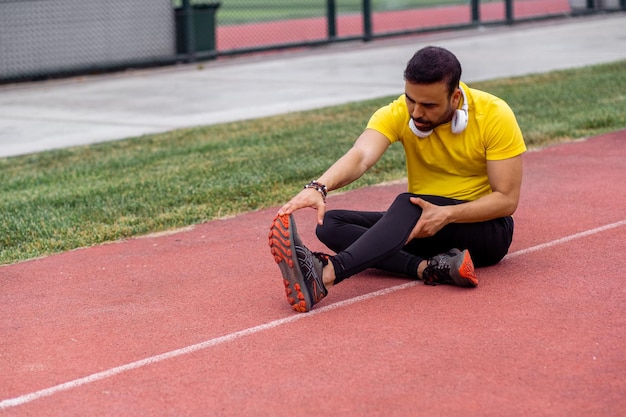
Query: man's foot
[453,267]
[301,268]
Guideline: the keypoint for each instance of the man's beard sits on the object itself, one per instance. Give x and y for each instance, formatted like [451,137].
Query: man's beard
[425,125]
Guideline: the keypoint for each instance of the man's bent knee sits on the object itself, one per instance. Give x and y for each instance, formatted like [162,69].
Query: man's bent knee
[327,231]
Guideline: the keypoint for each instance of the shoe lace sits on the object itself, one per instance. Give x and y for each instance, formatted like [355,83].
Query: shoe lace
[437,272]
[323,258]
[313,278]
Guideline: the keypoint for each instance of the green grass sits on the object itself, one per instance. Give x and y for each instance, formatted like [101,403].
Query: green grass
[64,199]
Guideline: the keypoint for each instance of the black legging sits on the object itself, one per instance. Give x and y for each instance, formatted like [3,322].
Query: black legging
[364,239]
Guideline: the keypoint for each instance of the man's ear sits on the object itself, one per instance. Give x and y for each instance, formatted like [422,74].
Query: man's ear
[456,97]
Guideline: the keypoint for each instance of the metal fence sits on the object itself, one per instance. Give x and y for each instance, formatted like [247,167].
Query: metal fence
[51,38]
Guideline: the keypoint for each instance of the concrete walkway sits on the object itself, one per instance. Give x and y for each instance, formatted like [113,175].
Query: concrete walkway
[55,114]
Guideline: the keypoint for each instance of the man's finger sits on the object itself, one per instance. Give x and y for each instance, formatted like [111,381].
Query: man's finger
[321,210]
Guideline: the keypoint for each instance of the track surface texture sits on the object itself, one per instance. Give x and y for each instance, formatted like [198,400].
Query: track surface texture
[196,322]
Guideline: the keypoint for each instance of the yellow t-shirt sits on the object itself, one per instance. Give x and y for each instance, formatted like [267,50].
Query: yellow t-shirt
[448,164]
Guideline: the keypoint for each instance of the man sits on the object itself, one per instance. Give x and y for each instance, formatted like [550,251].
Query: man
[463,155]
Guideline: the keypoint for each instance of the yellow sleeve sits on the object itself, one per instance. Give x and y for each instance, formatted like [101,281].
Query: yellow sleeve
[391,120]
[503,136]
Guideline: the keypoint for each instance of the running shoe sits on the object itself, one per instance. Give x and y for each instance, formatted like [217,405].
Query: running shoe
[453,267]
[301,269]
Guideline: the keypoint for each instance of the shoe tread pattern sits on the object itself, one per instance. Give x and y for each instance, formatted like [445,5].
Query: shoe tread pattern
[281,242]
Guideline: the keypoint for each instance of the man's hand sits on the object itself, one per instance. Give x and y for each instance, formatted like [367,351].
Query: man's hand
[365,152]
[432,220]
[309,197]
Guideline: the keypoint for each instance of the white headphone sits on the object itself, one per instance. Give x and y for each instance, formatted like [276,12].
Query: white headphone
[459,120]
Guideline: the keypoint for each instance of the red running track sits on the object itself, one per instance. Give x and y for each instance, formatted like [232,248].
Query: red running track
[314,29]
[195,323]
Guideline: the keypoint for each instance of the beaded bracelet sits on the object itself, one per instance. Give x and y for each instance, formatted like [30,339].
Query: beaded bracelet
[320,188]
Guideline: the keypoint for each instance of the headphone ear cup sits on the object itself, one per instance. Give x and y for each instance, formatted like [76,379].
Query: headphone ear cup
[459,121]
[460,117]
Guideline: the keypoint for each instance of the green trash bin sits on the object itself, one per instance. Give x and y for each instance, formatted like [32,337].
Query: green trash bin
[204,27]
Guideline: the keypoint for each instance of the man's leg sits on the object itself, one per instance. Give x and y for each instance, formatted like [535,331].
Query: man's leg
[381,245]
[342,228]
[385,248]
[377,245]
[488,242]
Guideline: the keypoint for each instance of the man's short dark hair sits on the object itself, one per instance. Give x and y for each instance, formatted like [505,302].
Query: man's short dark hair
[433,64]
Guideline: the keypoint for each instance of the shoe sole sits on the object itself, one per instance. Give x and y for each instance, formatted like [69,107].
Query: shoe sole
[281,242]
[466,271]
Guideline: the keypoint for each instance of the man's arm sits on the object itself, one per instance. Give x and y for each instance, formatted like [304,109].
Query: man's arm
[365,152]
[505,177]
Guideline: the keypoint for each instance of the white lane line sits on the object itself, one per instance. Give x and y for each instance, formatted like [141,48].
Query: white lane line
[566,239]
[26,398]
